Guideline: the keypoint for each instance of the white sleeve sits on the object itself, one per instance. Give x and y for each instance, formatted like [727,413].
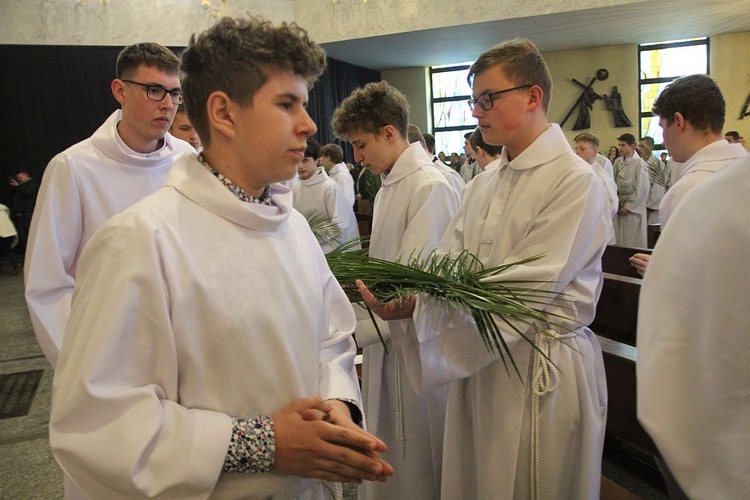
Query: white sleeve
[51,255]
[366,332]
[338,376]
[573,228]
[429,214]
[134,438]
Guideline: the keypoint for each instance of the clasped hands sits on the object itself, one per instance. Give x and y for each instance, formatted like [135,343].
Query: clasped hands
[318,439]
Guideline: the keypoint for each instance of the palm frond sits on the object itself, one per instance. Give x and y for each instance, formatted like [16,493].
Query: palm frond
[462,281]
[658,172]
[624,192]
[323,227]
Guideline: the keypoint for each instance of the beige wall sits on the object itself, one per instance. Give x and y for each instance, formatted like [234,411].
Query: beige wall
[415,85]
[730,67]
[622,63]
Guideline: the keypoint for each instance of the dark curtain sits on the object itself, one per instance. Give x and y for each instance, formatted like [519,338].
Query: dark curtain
[52,97]
[339,80]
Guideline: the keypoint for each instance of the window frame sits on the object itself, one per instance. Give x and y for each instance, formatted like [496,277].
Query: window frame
[436,100]
[648,47]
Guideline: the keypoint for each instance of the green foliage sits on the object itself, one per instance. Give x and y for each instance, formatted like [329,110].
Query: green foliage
[658,173]
[462,281]
[369,185]
[323,227]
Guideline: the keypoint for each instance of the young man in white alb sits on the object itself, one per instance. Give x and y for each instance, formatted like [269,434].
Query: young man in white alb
[693,338]
[587,147]
[332,159]
[691,113]
[183,373]
[317,196]
[631,176]
[410,213]
[126,159]
[541,199]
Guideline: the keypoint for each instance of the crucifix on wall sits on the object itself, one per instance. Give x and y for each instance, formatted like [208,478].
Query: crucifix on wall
[585,102]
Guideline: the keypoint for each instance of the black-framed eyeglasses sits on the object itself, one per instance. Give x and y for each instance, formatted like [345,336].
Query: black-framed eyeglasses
[486,101]
[157,92]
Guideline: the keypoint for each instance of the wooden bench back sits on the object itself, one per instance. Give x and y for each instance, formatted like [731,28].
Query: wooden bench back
[617,308]
[615,324]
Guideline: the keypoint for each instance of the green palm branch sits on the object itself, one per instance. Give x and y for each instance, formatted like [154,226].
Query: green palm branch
[323,227]
[658,172]
[462,281]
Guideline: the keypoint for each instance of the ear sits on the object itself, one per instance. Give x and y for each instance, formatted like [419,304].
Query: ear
[221,112]
[536,97]
[118,90]
[390,132]
[680,122]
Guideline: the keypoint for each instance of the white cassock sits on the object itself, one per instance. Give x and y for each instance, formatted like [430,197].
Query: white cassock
[610,187]
[290,183]
[81,189]
[631,175]
[699,168]
[693,339]
[411,211]
[320,195]
[656,190]
[454,178]
[547,200]
[469,171]
[340,173]
[606,165]
[192,308]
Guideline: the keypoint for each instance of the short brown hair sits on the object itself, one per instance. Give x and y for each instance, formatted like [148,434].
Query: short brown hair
[429,141]
[522,63]
[695,97]
[146,54]
[237,56]
[369,109]
[477,141]
[586,137]
[415,135]
[333,151]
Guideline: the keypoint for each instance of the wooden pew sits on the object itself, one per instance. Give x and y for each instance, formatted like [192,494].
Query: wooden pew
[652,234]
[363,212]
[622,420]
[615,325]
[617,309]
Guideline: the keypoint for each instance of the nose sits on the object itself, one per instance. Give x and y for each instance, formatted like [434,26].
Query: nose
[358,156]
[167,103]
[307,125]
[476,112]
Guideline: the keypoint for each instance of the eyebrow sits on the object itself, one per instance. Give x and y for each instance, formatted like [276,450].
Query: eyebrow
[156,84]
[293,97]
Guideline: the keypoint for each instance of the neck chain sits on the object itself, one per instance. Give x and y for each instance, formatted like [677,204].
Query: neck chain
[264,199]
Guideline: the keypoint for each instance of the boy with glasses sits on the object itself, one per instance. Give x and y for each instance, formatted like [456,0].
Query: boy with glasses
[539,435]
[126,159]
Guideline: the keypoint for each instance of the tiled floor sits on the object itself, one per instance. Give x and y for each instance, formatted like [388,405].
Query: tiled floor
[27,468]
[28,471]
